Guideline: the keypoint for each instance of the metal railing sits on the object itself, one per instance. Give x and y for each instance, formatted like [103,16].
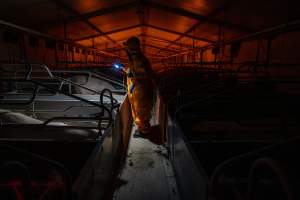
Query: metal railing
[105,113]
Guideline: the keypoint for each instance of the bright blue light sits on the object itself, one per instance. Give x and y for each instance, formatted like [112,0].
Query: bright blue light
[117,65]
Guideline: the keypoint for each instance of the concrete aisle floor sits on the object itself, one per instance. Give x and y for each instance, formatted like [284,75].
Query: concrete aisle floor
[147,173]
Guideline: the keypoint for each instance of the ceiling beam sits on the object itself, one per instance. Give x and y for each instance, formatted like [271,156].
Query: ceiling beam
[150,26]
[105,11]
[160,56]
[151,54]
[225,6]
[262,34]
[181,34]
[143,16]
[108,33]
[162,49]
[183,12]
[77,14]
[178,44]
[89,15]
[164,7]
[150,46]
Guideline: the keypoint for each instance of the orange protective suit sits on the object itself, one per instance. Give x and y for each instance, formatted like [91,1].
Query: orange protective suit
[140,87]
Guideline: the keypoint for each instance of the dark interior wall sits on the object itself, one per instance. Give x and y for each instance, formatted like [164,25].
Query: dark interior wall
[285,48]
[9,51]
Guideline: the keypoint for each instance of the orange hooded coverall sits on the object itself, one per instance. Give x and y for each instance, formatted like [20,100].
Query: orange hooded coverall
[139,85]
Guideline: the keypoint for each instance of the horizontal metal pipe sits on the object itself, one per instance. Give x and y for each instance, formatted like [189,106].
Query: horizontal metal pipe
[283,28]
[46,36]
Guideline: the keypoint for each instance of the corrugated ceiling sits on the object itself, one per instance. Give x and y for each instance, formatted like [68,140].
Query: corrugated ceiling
[166,27]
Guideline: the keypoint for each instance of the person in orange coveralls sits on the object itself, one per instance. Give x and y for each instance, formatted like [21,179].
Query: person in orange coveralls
[140,85]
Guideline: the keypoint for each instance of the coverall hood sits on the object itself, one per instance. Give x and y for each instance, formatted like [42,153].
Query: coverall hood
[132,45]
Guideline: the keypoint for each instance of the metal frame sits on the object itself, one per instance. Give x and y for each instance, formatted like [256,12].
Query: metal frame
[264,34]
[155,47]
[77,14]
[192,180]
[202,18]
[38,84]
[103,160]
[149,26]
[61,169]
[178,44]
[109,32]
[51,76]
[46,36]
[144,5]
[87,16]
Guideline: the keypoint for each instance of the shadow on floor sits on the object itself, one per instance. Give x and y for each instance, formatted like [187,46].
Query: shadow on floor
[153,136]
